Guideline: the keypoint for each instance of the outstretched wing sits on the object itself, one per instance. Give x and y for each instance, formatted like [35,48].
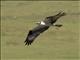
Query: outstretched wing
[30,38]
[35,33]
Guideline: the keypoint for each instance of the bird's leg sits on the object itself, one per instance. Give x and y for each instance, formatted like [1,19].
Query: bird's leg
[57,25]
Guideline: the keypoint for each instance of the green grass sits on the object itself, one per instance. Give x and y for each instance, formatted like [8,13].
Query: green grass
[18,17]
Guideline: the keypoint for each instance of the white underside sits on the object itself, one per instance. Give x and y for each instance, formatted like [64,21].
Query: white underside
[42,23]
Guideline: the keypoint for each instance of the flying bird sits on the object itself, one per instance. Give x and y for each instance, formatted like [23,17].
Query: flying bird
[43,26]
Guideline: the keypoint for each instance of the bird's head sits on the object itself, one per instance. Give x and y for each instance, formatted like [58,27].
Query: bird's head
[61,13]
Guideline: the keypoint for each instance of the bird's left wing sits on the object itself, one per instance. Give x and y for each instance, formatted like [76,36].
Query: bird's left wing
[35,33]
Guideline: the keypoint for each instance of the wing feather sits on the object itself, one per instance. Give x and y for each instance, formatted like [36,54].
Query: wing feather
[34,33]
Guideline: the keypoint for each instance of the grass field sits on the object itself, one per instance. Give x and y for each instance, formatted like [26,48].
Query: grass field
[18,17]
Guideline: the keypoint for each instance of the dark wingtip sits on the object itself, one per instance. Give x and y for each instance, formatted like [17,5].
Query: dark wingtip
[27,43]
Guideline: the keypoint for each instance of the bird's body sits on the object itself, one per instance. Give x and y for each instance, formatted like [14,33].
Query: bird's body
[43,26]
[42,23]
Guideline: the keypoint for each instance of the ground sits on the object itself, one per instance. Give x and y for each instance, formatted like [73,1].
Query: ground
[18,17]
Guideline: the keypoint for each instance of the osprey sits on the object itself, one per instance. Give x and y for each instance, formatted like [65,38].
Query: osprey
[42,26]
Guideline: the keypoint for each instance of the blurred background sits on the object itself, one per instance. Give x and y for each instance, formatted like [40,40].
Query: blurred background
[18,17]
